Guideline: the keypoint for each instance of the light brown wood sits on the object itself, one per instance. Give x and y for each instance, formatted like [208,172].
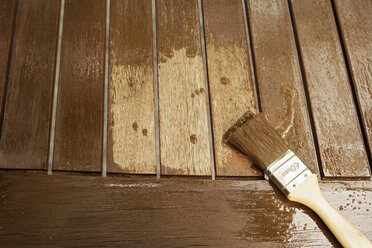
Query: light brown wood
[131,142]
[309,194]
[78,140]
[337,127]
[230,83]
[84,211]
[7,9]
[280,85]
[355,19]
[184,135]
[25,130]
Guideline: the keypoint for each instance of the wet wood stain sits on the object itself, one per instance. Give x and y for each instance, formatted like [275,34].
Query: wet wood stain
[87,211]
[131,144]
[7,11]
[282,96]
[337,127]
[355,19]
[78,142]
[25,131]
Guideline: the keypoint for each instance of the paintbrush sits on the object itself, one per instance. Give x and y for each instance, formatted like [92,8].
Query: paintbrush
[253,136]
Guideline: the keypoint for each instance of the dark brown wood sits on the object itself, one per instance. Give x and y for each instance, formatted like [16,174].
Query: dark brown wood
[7,8]
[355,19]
[280,85]
[184,134]
[337,126]
[85,211]
[230,82]
[78,142]
[131,140]
[25,133]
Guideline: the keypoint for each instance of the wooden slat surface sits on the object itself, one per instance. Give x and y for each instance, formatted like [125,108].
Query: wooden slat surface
[341,145]
[78,143]
[355,19]
[7,8]
[184,136]
[131,146]
[25,133]
[230,82]
[280,85]
[81,211]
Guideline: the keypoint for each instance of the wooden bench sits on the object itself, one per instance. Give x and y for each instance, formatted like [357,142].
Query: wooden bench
[142,92]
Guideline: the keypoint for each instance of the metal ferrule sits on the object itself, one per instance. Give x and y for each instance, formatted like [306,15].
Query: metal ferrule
[288,172]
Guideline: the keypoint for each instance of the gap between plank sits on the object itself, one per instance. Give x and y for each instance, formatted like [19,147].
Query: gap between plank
[156,91]
[252,62]
[55,92]
[10,52]
[106,89]
[306,91]
[352,82]
[206,79]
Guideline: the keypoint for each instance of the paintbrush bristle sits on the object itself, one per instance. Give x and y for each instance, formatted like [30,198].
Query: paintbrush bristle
[255,137]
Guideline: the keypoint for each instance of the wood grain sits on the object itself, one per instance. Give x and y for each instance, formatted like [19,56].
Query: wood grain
[280,86]
[7,8]
[231,88]
[355,19]
[131,118]
[184,136]
[84,211]
[337,127]
[25,134]
[78,142]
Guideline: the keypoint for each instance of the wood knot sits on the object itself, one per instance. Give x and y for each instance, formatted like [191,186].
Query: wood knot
[135,126]
[224,81]
[193,138]
[144,132]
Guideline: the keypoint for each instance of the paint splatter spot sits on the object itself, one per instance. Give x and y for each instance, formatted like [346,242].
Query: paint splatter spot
[135,126]
[193,139]
[341,208]
[197,92]
[192,95]
[144,132]
[224,81]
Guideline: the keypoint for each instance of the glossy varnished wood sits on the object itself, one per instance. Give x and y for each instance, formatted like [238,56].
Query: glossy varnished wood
[355,20]
[25,131]
[7,8]
[85,211]
[184,135]
[78,142]
[337,126]
[131,146]
[230,81]
[280,85]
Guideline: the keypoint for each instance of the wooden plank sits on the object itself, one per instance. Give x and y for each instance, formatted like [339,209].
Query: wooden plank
[202,213]
[78,142]
[337,127]
[231,88]
[184,136]
[280,85]
[355,19]
[7,8]
[25,131]
[131,145]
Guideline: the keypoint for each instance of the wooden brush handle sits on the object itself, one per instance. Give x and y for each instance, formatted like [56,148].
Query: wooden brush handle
[309,194]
